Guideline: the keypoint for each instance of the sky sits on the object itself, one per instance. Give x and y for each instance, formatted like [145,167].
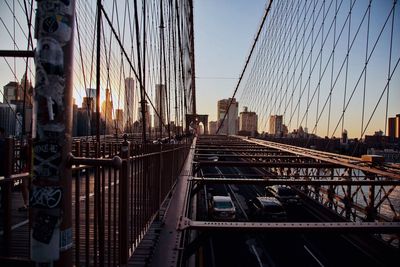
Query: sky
[224,33]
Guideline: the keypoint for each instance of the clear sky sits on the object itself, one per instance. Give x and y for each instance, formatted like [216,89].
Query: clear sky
[224,32]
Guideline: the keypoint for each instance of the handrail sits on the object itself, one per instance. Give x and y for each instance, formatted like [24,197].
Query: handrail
[115,162]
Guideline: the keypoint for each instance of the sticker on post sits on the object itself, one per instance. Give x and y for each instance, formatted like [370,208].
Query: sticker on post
[45,237]
[50,56]
[66,239]
[60,7]
[57,26]
[46,160]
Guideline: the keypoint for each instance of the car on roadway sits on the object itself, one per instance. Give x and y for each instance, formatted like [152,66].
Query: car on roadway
[285,194]
[222,208]
[266,209]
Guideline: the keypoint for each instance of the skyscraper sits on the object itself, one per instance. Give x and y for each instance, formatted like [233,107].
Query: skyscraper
[129,101]
[392,127]
[91,95]
[275,124]
[248,121]
[160,105]
[119,120]
[230,125]
[25,91]
[8,118]
[107,111]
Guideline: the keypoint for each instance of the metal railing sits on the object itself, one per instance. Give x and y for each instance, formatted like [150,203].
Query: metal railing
[115,198]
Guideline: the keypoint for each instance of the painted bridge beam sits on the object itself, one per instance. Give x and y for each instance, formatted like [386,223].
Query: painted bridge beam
[366,227]
[300,182]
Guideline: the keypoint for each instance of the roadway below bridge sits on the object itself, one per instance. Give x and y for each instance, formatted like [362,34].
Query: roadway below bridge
[247,246]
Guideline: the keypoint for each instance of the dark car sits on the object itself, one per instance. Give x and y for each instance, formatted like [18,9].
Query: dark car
[222,208]
[266,209]
[286,195]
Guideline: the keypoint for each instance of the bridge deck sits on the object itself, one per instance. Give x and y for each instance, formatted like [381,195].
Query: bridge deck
[162,243]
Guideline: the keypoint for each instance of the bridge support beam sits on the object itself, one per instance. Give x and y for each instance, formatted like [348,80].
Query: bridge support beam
[50,193]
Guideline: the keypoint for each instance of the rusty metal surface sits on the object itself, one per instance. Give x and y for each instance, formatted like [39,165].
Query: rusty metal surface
[343,227]
[270,164]
[266,182]
[348,188]
[345,161]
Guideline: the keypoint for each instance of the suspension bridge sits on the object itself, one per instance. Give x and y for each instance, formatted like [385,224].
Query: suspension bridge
[103,162]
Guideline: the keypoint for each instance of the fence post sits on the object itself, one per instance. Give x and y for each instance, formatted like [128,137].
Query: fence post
[6,192]
[160,179]
[123,203]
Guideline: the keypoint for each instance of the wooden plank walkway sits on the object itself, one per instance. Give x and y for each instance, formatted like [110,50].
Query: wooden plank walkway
[19,247]
[20,224]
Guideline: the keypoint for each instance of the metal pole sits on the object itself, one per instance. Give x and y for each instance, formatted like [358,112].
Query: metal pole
[51,227]
[161,111]
[98,70]
[141,80]
[124,185]
[7,193]
[193,84]
[16,53]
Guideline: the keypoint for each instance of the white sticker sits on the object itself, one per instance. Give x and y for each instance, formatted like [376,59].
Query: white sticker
[66,239]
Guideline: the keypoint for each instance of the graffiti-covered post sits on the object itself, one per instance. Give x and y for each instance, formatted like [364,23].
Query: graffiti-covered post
[50,194]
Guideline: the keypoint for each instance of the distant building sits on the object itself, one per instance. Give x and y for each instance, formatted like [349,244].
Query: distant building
[231,124]
[89,104]
[91,96]
[394,127]
[147,116]
[86,124]
[275,124]
[160,105]
[119,120]
[18,91]
[8,118]
[107,111]
[25,91]
[129,101]
[344,140]
[248,121]
[212,127]
[285,129]
[10,92]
